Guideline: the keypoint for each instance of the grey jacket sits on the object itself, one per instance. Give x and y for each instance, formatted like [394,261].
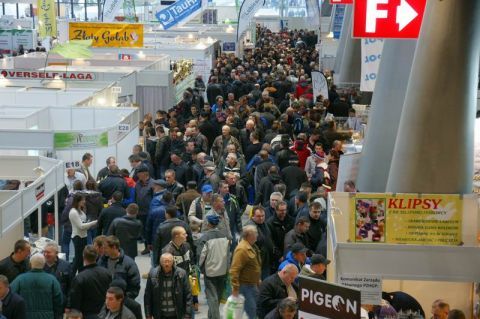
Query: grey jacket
[213,251]
[125,313]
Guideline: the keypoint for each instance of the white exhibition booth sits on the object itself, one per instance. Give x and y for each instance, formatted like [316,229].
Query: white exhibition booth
[427,272]
[47,178]
[68,132]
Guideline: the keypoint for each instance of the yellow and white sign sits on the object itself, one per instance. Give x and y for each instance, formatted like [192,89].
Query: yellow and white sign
[406,219]
[120,35]
[47,22]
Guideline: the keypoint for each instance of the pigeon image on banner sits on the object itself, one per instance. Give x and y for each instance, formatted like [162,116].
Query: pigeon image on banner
[179,12]
[246,13]
[320,85]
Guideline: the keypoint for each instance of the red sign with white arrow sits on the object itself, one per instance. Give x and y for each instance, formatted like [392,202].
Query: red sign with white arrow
[388,18]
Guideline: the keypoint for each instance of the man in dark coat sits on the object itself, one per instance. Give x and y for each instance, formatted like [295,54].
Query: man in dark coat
[128,230]
[162,152]
[265,188]
[121,266]
[143,197]
[17,262]
[276,288]
[175,303]
[13,305]
[110,213]
[112,183]
[293,176]
[61,269]
[264,240]
[279,225]
[213,90]
[89,286]
[297,235]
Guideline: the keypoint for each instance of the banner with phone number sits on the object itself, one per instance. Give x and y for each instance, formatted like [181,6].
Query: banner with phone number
[406,219]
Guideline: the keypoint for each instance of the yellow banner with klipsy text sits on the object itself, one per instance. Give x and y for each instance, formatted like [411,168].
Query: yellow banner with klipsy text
[406,219]
[120,35]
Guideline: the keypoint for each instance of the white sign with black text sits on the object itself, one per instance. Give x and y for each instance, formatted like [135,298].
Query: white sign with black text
[370,286]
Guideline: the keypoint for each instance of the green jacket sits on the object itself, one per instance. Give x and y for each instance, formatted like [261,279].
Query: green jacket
[41,292]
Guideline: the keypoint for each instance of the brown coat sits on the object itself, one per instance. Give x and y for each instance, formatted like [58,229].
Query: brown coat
[246,265]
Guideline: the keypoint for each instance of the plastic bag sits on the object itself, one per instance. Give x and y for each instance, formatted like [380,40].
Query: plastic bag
[227,290]
[234,307]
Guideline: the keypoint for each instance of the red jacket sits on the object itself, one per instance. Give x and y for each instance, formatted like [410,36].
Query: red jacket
[302,152]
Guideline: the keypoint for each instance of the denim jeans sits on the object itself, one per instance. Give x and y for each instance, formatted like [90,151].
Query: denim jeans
[214,287]
[79,244]
[250,293]
[91,234]
[65,243]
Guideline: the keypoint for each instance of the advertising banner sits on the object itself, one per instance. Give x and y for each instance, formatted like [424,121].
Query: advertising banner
[34,74]
[320,85]
[406,219]
[313,13]
[338,15]
[6,41]
[321,299]
[179,12]
[47,20]
[80,140]
[119,35]
[246,13]
[371,55]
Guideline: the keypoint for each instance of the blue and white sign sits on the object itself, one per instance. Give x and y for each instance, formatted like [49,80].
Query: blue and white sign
[338,15]
[229,46]
[178,12]
[371,55]
[246,14]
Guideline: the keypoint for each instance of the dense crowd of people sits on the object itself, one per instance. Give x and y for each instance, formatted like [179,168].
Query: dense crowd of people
[230,185]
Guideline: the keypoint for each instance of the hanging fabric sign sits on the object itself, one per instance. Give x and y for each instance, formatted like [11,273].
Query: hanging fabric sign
[247,11]
[110,10]
[371,55]
[47,22]
[179,12]
[320,85]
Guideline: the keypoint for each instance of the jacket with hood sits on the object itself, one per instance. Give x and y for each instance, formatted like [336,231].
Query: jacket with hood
[125,269]
[289,259]
[156,216]
[302,152]
[213,249]
[265,189]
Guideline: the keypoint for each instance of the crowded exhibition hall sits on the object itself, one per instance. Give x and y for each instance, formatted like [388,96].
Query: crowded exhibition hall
[221,159]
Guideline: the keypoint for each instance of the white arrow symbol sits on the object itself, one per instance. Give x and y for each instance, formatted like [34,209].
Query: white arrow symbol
[405,14]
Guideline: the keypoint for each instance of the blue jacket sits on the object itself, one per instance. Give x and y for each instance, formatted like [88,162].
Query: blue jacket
[290,260]
[156,216]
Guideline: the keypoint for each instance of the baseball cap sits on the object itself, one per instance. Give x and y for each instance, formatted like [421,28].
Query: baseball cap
[160,182]
[209,165]
[207,188]
[213,219]
[319,259]
[298,248]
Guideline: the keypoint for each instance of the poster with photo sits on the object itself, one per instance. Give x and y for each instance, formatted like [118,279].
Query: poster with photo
[370,220]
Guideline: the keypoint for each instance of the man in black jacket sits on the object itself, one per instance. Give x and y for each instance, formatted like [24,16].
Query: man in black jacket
[13,305]
[121,266]
[160,303]
[112,183]
[128,230]
[17,263]
[264,240]
[276,288]
[162,152]
[89,286]
[130,303]
[164,232]
[279,225]
[61,269]
[213,90]
[110,213]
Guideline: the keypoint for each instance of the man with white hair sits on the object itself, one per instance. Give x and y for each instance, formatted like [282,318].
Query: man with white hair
[41,291]
[58,267]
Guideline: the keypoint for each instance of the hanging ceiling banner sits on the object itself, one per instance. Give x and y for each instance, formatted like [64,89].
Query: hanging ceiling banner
[119,35]
[313,14]
[47,22]
[180,12]
[320,85]
[110,10]
[371,56]
[246,14]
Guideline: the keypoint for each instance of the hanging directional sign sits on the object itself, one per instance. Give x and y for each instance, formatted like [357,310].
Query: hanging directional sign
[388,18]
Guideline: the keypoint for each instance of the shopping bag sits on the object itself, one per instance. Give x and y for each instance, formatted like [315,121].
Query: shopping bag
[234,307]
[227,291]
[194,285]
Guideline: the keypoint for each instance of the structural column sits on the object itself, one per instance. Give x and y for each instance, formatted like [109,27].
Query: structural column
[384,117]
[434,147]
[350,65]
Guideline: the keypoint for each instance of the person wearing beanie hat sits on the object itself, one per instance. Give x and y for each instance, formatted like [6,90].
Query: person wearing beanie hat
[212,248]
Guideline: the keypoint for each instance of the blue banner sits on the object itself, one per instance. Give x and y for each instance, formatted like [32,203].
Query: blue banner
[177,12]
[338,20]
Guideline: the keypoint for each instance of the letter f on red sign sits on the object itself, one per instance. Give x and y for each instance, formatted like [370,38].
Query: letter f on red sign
[373,13]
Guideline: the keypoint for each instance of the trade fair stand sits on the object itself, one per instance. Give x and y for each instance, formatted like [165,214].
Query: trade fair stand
[45,177]
[68,132]
[425,245]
